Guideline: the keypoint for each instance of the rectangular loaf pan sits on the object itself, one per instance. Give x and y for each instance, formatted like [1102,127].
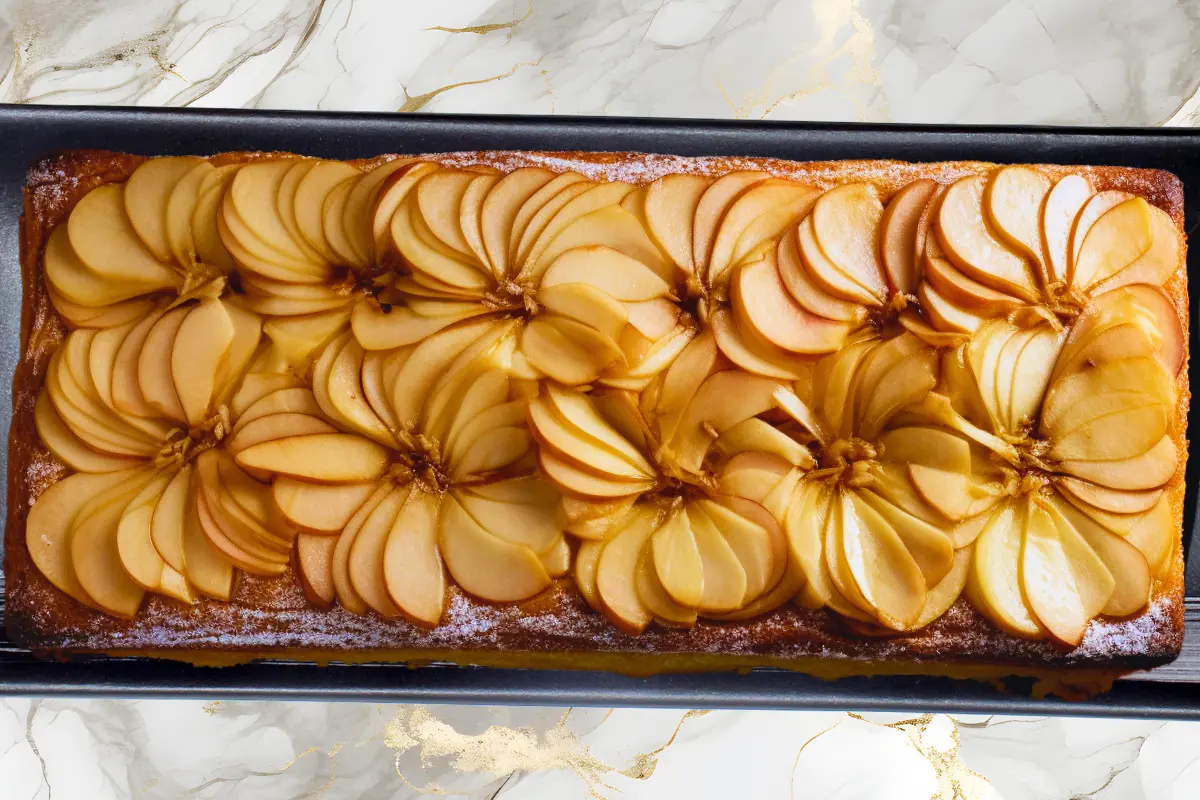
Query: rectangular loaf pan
[32,132]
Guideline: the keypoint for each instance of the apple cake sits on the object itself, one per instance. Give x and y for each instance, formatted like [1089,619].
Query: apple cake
[618,411]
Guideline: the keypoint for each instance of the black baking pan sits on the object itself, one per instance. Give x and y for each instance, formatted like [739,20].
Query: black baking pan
[29,133]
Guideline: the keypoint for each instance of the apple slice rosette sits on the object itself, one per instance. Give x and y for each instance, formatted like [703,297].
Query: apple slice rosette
[862,534]
[402,466]
[1069,512]
[566,255]
[662,538]
[139,411]
[1014,245]
[782,270]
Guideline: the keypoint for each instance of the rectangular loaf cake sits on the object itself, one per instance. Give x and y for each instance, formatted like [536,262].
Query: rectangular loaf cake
[609,411]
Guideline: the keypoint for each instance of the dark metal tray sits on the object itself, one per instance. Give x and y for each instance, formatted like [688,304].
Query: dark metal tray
[28,132]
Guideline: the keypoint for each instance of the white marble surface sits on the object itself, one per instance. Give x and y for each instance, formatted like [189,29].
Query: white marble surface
[1100,62]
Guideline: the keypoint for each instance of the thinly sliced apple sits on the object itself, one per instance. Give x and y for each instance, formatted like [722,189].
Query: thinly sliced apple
[1066,584]
[320,457]
[1113,500]
[898,234]
[882,568]
[972,246]
[199,349]
[314,567]
[1157,264]
[1014,199]
[760,357]
[1130,572]
[671,203]
[365,565]
[1149,470]
[500,208]
[771,312]
[309,201]
[146,194]
[1059,212]
[180,207]
[485,565]
[412,564]
[845,222]
[945,315]
[68,447]
[994,585]
[1121,236]
[806,292]
[104,240]
[615,571]
[825,273]
[782,202]
[48,529]
[1095,206]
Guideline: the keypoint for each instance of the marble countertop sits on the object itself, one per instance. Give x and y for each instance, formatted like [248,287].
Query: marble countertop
[1091,62]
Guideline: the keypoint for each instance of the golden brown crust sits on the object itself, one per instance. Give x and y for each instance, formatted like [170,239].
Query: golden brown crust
[272,617]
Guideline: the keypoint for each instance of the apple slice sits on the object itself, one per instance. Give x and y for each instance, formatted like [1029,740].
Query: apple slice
[439,195]
[392,192]
[365,565]
[524,511]
[285,204]
[608,270]
[1113,500]
[1121,236]
[994,584]
[957,288]
[1014,199]
[485,565]
[567,351]
[206,234]
[677,560]
[146,194]
[1065,582]
[309,201]
[575,208]
[845,222]
[1157,264]
[882,568]
[1148,470]
[724,580]
[929,447]
[316,508]
[314,567]
[777,201]
[319,457]
[79,284]
[1096,205]
[930,547]
[945,315]
[898,234]
[1059,212]
[470,213]
[134,546]
[711,208]
[806,292]
[412,566]
[771,312]
[825,273]
[1130,572]
[154,375]
[343,588]
[500,208]
[755,354]
[199,349]
[671,203]
[722,401]
[48,529]
[973,248]
[104,240]
[94,551]
[570,183]
[67,447]
[755,435]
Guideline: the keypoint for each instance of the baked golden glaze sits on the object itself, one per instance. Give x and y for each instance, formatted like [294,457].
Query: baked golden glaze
[269,616]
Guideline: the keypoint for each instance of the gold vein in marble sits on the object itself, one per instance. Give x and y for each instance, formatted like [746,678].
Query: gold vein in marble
[417,102]
[482,29]
[503,751]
